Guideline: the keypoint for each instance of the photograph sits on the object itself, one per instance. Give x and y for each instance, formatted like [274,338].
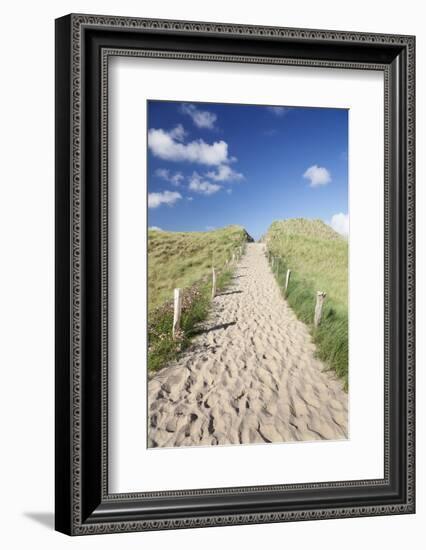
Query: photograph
[247,286]
[234,305]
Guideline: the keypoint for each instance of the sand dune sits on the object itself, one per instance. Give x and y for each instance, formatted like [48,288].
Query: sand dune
[250,377]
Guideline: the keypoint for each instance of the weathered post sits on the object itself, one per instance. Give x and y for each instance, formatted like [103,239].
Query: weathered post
[287,280]
[233,258]
[272,264]
[177,311]
[318,307]
[213,283]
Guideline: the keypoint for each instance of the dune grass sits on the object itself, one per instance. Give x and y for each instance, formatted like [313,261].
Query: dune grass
[178,260]
[184,260]
[318,259]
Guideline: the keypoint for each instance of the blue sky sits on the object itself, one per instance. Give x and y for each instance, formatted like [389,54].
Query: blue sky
[212,165]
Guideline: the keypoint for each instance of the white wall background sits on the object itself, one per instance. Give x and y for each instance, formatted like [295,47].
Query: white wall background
[27,262]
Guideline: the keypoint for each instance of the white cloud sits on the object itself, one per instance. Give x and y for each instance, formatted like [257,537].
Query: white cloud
[162,173]
[168,146]
[201,119]
[178,133]
[166,175]
[201,186]
[189,198]
[340,223]
[210,228]
[177,178]
[279,111]
[224,173]
[166,197]
[155,228]
[318,175]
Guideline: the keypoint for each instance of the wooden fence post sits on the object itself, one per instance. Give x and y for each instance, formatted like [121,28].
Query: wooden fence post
[177,311]
[318,307]
[213,283]
[287,280]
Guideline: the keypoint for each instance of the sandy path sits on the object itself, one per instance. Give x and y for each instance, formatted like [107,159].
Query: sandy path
[250,377]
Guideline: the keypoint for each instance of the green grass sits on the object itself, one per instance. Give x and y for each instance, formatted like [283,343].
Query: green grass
[178,260]
[184,260]
[318,259]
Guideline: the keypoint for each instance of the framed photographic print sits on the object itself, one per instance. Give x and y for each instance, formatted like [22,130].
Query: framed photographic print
[234,274]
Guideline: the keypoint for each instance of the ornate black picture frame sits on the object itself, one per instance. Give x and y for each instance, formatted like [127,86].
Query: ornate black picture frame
[84,44]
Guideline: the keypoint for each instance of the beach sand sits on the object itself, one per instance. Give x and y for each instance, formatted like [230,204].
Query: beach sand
[251,376]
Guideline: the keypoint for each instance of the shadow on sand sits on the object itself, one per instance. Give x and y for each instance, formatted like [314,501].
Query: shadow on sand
[230,292]
[204,330]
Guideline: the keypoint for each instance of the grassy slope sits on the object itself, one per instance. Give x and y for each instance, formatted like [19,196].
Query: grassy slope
[178,260]
[184,260]
[318,259]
